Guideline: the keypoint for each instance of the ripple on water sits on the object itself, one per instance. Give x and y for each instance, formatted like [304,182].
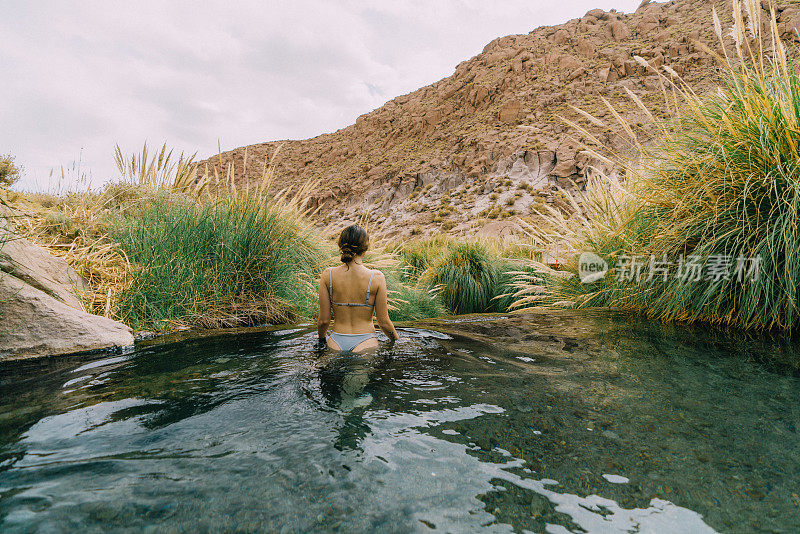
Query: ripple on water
[621,433]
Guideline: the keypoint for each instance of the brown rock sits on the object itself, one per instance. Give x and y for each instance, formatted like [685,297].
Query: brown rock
[510,110]
[597,13]
[608,74]
[789,23]
[478,95]
[577,73]
[34,324]
[561,37]
[618,31]
[648,24]
[585,48]
[569,63]
[38,268]
[565,161]
[499,229]
[662,37]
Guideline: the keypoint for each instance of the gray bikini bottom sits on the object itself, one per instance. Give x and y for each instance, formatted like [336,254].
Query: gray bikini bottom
[348,342]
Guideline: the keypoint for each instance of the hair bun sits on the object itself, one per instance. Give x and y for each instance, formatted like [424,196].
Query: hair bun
[353,242]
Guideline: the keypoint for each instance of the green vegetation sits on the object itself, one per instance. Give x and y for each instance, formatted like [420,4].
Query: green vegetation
[469,276]
[165,247]
[722,186]
[235,262]
[408,302]
[9,171]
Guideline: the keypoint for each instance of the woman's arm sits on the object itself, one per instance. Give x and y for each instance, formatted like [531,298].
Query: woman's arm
[324,319]
[382,309]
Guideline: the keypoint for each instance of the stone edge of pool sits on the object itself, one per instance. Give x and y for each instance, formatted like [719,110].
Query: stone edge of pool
[470,325]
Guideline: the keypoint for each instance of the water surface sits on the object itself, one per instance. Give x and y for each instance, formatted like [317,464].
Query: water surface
[547,423]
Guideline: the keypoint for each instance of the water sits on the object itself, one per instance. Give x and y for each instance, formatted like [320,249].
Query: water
[552,423]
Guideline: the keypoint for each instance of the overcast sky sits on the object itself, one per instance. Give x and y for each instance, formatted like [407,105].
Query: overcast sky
[78,77]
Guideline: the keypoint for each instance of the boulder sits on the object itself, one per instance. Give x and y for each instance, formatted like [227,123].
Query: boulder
[575,74]
[35,266]
[40,310]
[565,161]
[561,37]
[509,111]
[608,74]
[618,31]
[585,47]
[35,324]
[649,23]
[479,95]
[569,63]
[597,13]
[789,22]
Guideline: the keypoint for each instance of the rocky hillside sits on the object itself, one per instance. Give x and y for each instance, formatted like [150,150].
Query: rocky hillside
[469,152]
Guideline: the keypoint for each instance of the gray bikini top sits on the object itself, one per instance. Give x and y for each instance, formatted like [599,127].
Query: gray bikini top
[352,304]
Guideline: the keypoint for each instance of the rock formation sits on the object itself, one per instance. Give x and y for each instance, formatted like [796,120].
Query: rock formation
[40,310]
[489,142]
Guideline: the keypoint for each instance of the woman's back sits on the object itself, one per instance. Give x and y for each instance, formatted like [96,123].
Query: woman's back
[353,291]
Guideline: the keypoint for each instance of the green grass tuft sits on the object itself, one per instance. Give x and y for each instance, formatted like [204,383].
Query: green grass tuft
[467,275]
[235,262]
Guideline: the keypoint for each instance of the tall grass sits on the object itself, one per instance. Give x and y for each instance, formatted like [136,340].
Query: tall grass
[208,252]
[159,170]
[418,255]
[468,275]
[722,182]
[411,302]
[237,262]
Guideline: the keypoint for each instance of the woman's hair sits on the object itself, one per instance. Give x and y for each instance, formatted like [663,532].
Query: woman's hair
[353,242]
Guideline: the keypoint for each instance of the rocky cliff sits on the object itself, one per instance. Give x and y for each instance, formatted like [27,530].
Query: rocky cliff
[489,142]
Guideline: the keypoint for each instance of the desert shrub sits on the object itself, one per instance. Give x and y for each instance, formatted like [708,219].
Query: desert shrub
[470,275]
[417,256]
[61,224]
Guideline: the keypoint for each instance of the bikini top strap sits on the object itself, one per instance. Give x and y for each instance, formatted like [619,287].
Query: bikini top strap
[369,286]
[330,285]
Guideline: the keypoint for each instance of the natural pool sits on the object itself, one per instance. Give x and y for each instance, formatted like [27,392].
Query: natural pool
[560,422]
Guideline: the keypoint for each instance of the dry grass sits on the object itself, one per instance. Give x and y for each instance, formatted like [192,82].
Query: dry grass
[74,227]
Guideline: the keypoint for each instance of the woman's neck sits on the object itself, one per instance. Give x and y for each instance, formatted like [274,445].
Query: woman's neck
[358,260]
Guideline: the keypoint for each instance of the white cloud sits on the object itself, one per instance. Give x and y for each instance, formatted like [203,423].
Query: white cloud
[80,77]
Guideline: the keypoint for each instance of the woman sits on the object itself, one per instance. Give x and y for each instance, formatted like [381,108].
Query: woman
[354,292]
